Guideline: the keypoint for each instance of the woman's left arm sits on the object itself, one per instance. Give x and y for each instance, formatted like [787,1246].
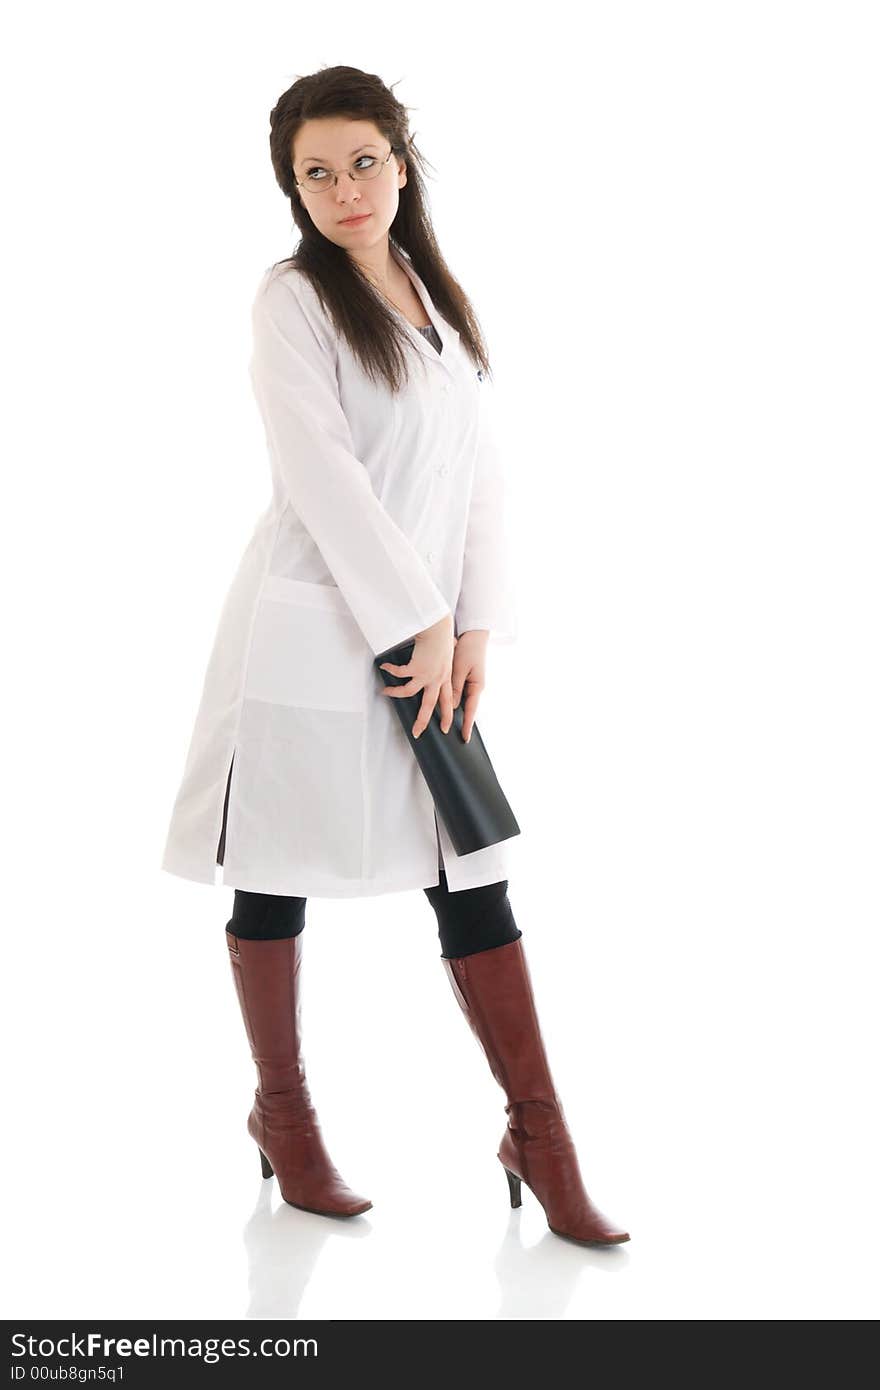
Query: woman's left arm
[486,606]
[486,599]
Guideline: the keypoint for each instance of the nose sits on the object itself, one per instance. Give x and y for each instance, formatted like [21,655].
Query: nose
[347,190]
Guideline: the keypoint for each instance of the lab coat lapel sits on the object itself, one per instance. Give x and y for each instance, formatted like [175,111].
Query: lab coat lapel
[449,336]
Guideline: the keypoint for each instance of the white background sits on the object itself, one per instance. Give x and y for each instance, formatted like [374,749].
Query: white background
[667,218]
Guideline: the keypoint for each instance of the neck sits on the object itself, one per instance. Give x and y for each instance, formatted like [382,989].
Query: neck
[378,264]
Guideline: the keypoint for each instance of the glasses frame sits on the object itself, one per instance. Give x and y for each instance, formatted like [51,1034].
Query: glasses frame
[336,173]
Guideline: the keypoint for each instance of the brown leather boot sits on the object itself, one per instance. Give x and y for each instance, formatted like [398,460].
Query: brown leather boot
[494,990]
[283,1121]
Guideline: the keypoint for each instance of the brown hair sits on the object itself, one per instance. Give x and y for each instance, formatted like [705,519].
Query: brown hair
[359,312]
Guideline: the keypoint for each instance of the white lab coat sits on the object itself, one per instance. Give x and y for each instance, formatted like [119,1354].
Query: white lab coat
[386,514]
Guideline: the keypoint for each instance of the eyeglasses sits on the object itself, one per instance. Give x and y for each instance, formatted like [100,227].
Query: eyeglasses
[318,179]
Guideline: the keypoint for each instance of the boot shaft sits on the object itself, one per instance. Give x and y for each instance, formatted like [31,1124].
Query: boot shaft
[267,982]
[494,991]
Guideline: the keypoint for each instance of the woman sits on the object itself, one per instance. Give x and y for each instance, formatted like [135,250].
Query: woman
[385,525]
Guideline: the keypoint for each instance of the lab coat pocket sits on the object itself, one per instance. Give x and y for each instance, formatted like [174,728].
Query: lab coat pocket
[307,650]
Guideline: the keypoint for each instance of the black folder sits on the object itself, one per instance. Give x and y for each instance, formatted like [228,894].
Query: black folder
[460,776]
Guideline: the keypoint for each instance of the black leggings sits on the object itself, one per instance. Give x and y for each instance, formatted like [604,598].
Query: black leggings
[471,920]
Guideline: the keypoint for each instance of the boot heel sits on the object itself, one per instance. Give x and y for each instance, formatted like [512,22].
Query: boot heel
[515,1185]
[268,1170]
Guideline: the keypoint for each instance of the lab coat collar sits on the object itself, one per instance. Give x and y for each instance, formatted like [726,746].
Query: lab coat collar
[449,336]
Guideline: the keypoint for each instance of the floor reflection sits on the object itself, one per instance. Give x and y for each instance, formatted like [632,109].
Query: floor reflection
[283,1248]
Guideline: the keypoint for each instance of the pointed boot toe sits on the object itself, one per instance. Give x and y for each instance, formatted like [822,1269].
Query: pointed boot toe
[537,1148]
[286,1129]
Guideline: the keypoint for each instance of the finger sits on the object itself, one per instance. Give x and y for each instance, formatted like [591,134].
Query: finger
[458,679]
[446,707]
[472,700]
[412,687]
[395,670]
[423,717]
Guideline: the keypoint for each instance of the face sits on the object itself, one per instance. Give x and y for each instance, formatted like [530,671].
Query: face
[337,143]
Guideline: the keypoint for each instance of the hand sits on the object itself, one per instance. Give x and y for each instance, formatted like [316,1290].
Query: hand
[469,675]
[429,669]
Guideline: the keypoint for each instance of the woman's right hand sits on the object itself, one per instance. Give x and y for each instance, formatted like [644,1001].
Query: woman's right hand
[429,669]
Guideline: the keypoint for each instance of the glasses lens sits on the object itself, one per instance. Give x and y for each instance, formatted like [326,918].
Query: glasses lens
[366,166]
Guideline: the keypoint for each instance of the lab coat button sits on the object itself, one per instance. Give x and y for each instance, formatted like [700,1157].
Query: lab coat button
[442,470]
[430,557]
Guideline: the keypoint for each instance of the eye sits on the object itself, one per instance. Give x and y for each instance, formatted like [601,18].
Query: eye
[368,157]
[316,169]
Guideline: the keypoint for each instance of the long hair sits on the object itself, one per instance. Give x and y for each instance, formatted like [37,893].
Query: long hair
[359,313]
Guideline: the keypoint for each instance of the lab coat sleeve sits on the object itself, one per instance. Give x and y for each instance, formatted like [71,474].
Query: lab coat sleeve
[379,572]
[487,596]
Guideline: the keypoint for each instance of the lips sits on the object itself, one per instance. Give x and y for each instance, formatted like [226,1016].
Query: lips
[359,218]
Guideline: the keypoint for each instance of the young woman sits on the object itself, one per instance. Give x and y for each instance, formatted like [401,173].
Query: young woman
[385,525]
